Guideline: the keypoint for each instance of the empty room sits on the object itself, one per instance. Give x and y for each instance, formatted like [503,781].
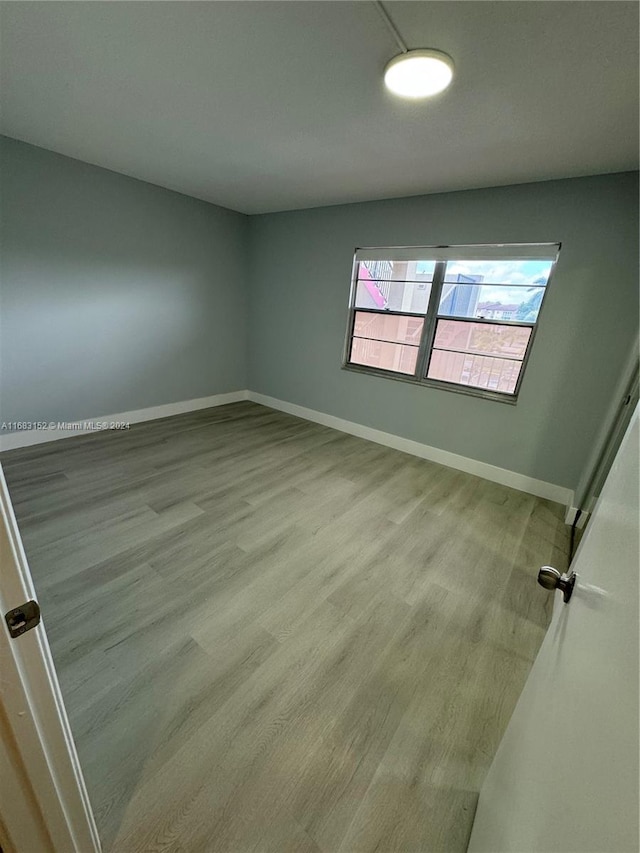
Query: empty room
[318,426]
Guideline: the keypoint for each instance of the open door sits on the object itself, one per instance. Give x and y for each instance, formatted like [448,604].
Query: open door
[565,777]
[44,804]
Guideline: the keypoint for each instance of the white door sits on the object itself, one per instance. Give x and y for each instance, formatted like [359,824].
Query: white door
[43,800]
[565,777]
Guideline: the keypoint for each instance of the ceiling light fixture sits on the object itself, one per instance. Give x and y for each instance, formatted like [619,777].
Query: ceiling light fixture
[415,74]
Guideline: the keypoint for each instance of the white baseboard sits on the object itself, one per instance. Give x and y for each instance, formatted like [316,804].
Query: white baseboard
[539,488]
[26,438]
[570,517]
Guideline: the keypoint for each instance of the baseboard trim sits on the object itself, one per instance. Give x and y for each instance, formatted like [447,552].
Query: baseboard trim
[539,488]
[26,438]
[570,517]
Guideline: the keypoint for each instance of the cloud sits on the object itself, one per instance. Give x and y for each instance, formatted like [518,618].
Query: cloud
[502,272]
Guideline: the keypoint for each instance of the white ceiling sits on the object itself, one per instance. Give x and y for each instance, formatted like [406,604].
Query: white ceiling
[263,106]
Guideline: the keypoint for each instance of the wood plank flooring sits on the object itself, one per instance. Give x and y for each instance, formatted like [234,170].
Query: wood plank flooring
[272,636]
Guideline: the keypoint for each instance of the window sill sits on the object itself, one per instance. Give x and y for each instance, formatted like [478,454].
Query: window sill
[483,393]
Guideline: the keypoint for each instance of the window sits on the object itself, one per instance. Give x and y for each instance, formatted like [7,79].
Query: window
[460,317]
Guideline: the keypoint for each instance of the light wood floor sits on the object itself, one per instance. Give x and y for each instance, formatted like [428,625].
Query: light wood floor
[272,636]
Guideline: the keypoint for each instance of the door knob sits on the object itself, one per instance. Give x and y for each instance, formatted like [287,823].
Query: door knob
[550,578]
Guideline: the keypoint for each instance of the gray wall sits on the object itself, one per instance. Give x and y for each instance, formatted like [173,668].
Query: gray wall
[116,294]
[299,286]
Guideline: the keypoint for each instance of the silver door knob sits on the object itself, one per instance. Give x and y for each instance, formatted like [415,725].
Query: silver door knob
[550,578]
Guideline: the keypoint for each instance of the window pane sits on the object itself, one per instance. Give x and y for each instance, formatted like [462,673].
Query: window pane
[510,341]
[409,296]
[394,285]
[385,356]
[397,270]
[388,327]
[500,272]
[491,302]
[478,371]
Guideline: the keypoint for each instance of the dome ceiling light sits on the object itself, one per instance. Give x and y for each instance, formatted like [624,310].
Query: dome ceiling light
[415,74]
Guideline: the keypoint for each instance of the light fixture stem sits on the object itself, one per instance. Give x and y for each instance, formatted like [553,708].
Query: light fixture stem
[391,26]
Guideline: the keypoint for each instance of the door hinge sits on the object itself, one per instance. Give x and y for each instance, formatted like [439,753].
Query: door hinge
[22,619]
